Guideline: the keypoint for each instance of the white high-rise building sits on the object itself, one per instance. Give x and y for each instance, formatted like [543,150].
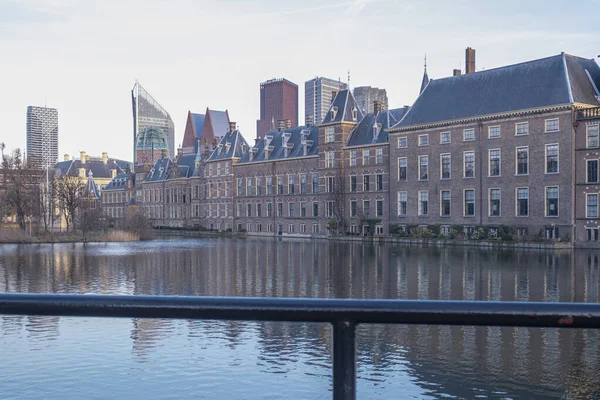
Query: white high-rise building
[42,136]
[318,95]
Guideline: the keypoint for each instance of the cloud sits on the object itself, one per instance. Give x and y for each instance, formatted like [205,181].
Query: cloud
[13,12]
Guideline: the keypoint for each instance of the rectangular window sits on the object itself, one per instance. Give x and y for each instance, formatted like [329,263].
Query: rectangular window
[302,228]
[315,182]
[269,209]
[353,208]
[259,227]
[592,234]
[329,209]
[402,168]
[330,184]
[552,201]
[329,134]
[445,203]
[353,183]
[402,200]
[366,156]
[227,168]
[379,206]
[366,183]
[366,208]
[469,134]
[469,166]
[291,184]
[240,187]
[303,209]
[315,209]
[445,137]
[379,182]
[494,210]
[423,202]
[248,210]
[218,169]
[423,140]
[522,160]
[522,202]
[469,202]
[279,209]
[238,209]
[269,185]
[402,142]
[592,205]
[493,132]
[316,228]
[248,187]
[259,191]
[445,166]
[592,136]
[280,185]
[303,183]
[353,158]
[329,159]
[552,125]
[379,154]
[423,168]
[522,128]
[291,210]
[494,164]
[291,228]
[592,171]
[552,158]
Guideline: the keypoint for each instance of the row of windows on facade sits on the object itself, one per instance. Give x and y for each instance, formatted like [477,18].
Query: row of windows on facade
[468,200]
[354,157]
[114,197]
[256,210]
[494,163]
[215,169]
[494,132]
[291,228]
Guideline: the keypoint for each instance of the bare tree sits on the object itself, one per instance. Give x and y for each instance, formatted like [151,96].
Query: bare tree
[337,193]
[47,199]
[89,217]
[68,192]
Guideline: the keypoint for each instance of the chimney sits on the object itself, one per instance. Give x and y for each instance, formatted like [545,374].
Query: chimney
[469,60]
[82,157]
[456,72]
[87,158]
[309,120]
[377,106]
[232,126]
[288,123]
[66,157]
[280,125]
[105,158]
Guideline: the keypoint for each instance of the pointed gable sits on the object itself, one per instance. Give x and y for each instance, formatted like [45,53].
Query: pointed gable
[344,108]
[193,132]
[372,129]
[232,145]
[91,189]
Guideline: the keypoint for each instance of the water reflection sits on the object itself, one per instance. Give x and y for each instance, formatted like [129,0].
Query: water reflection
[437,360]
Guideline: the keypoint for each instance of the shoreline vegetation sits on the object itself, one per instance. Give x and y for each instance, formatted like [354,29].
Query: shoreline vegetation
[18,236]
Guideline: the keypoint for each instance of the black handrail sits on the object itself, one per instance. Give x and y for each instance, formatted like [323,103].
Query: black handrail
[344,315]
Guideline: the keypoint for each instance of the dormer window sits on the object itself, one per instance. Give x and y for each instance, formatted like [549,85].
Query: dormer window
[253,152]
[376,130]
[334,111]
[227,147]
[268,151]
[354,113]
[243,147]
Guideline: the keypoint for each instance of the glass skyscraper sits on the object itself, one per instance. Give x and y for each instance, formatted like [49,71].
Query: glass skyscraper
[318,95]
[42,136]
[147,113]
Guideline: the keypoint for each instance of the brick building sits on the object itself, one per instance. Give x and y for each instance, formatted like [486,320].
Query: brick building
[278,102]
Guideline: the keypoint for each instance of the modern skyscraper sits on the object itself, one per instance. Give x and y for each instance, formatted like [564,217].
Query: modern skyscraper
[278,101]
[152,127]
[42,136]
[318,95]
[366,96]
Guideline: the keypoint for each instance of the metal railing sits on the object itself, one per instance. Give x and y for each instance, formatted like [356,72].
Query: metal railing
[344,315]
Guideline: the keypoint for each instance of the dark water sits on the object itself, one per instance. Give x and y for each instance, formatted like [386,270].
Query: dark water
[93,358]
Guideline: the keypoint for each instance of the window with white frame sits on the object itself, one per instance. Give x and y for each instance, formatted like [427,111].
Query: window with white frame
[302,228]
[445,166]
[291,185]
[592,135]
[315,212]
[402,142]
[423,202]
[552,158]
[366,208]
[494,207]
[259,187]
[552,201]
[522,128]
[379,208]
[366,186]
[592,171]
[329,134]
[423,140]
[402,168]
[269,185]
[592,234]
[248,187]
[353,183]
[291,228]
[280,185]
[303,183]
[353,210]
[551,125]
[269,209]
[522,202]
[522,160]
[315,228]
[291,210]
[423,168]
[248,210]
[494,131]
[279,209]
[494,162]
[468,134]
[469,164]
[329,209]
[329,159]
[303,209]
[379,182]
[445,203]
[591,202]
[330,184]
[366,156]
[444,137]
[379,156]
[469,199]
[353,158]
[402,202]
[315,182]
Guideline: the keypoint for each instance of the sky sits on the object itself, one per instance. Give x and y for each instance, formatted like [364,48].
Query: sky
[83,57]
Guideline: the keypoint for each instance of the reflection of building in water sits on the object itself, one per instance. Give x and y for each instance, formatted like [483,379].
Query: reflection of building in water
[145,333]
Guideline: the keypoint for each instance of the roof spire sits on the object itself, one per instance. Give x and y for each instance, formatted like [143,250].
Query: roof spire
[425,80]
[425,62]
[348,79]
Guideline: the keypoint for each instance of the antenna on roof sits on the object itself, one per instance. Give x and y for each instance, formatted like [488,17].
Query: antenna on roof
[348,79]
[425,62]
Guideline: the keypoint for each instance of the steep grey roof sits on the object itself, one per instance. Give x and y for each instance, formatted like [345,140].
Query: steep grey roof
[364,133]
[345,104]
[552,81]
[295,139]
[186,165]
[233,145]
[91,189]
[95,165]
[119,182]
[220,122]
[425,81]
[160,171]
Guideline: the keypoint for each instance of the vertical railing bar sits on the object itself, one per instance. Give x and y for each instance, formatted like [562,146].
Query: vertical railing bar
[344,360]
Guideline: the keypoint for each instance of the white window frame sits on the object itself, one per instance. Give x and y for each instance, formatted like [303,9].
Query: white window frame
[490,163]
[546,201]
[465,164]
[546,121]
[419,213]
[419,168]
[404,194]
[517,201]
[518,124]
[353,158]
[442,137]
[366,155]
[465,134]
[490,203]
[403,139]
[490,131]
[517,160]
[587,136]
[406,166]
[557,158]
[423,138]
[465,203]
[587,167]
[442,166]
[442,202]
[329,134]
[587,195]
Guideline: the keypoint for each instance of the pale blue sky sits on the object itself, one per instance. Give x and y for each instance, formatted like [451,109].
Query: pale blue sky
[84,56]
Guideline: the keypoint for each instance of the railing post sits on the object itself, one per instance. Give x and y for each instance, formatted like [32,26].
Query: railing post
[344,360]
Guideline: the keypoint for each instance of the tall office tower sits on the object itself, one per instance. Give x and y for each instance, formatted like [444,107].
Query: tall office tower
[366,96]
[42,136]
[153,128]
[278,102]
[318,95]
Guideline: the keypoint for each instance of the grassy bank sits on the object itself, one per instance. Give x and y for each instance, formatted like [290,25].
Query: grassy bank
[20,236]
